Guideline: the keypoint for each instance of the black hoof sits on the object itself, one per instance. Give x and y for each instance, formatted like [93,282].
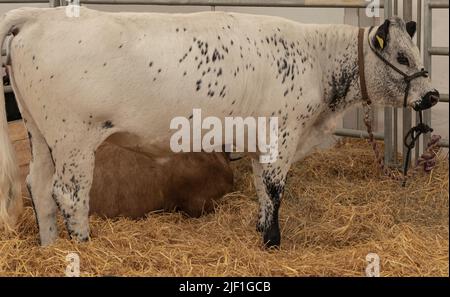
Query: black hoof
[78,237]
[272,237]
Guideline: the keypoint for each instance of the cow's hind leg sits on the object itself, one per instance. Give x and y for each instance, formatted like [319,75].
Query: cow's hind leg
[39,184]
[72,182]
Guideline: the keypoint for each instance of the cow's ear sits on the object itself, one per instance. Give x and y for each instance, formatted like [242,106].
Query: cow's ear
[381,36]
[411,28]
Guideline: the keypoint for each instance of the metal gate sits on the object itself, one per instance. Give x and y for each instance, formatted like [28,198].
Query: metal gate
[429,51]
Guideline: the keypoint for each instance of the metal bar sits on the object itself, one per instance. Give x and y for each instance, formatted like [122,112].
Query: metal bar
[444,98]
[443,143]
[7,89]
[438,4]
[22,1]
[438,51]
[395,136]
[388,110]
[56,3]
[428,42]
[419,24]
[388,136]
[357,134]
[261,3]
[407,114]
[395,110]
[419,44]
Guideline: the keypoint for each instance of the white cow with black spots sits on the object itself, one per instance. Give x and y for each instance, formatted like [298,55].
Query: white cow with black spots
[122,77]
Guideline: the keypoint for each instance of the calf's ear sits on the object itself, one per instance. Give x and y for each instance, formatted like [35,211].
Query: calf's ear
[411,28]
[381,36]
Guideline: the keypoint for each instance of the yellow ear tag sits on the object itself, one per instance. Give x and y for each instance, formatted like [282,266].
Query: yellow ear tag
[380,41]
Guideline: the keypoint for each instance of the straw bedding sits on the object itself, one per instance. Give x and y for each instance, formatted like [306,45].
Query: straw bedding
[337,208]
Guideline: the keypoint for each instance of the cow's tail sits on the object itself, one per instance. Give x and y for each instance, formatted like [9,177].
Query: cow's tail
[10,188]
[11,204]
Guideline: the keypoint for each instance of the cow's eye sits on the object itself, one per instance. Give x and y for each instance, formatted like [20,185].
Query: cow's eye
[402,59]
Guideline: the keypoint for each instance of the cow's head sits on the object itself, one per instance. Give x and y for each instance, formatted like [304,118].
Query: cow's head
[391,43]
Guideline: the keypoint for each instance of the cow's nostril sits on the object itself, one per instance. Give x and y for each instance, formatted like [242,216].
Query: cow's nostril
[434,99]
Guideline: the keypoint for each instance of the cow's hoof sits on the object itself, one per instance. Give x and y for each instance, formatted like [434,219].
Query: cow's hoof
[79,237]
[272,237]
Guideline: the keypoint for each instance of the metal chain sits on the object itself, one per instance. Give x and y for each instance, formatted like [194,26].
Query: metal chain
[427,160]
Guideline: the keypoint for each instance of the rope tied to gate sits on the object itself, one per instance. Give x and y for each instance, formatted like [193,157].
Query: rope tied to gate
[427,161]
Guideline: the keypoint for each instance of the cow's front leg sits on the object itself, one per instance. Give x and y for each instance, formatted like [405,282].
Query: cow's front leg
[269,182]
[71,185]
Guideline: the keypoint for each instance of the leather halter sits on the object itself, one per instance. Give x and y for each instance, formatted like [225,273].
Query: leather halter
[361,66]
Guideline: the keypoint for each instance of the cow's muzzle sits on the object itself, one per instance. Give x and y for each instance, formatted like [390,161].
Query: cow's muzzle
[429,100]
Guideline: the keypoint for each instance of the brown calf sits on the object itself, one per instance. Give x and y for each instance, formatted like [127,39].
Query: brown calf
[131,184]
